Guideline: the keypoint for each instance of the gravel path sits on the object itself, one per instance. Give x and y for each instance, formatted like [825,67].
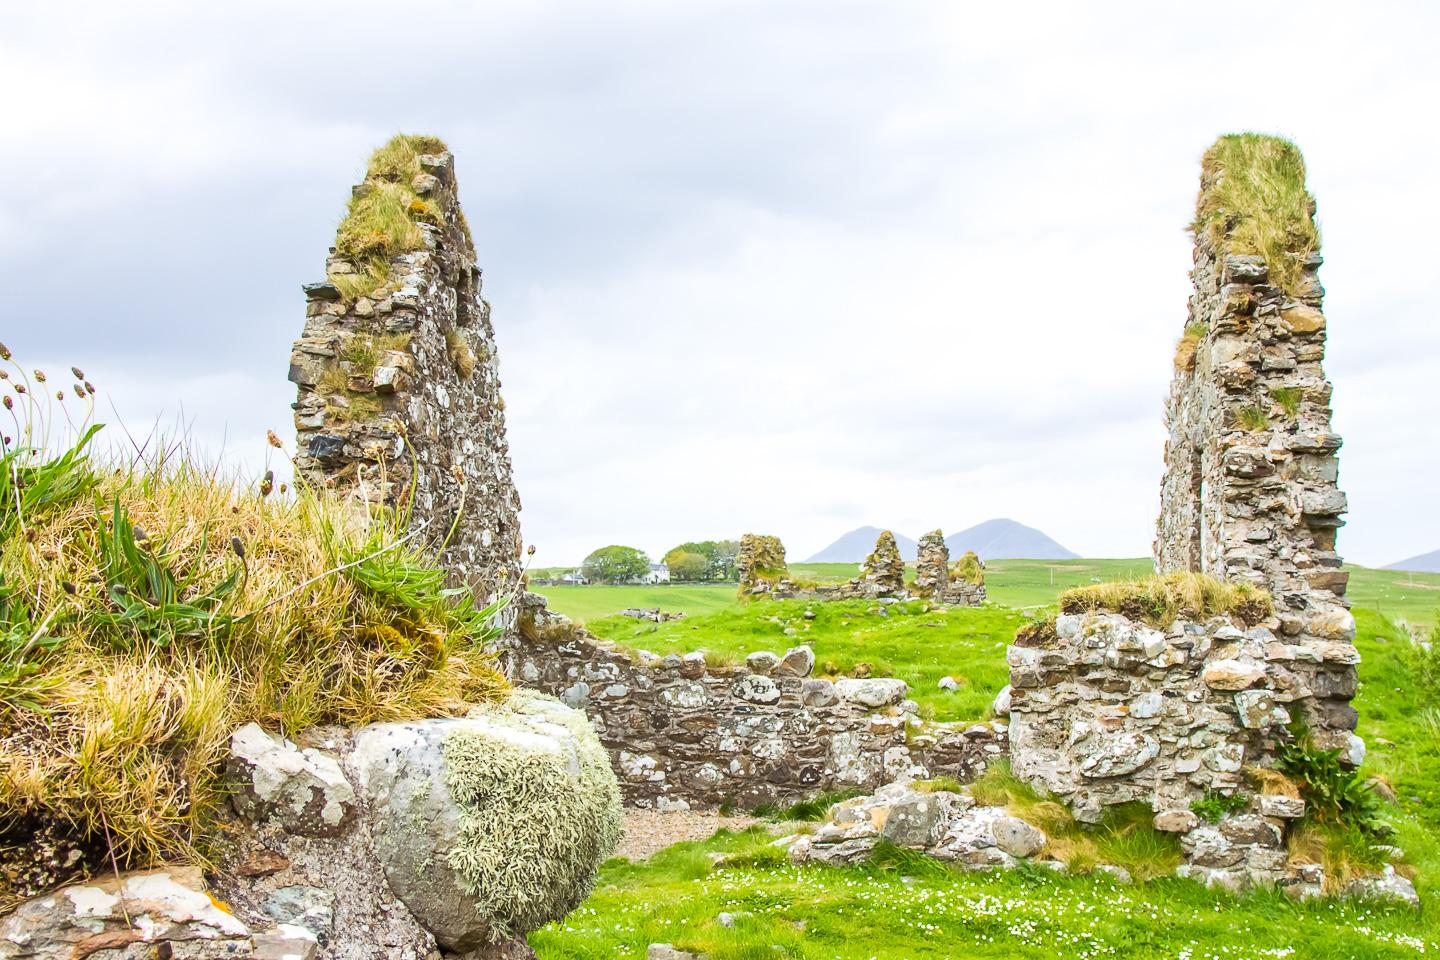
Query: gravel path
[648,831]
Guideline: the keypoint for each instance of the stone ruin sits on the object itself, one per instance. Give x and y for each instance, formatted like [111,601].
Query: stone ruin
[683,731]
[937,579]
[763,573]
[1106,708]
[399,392]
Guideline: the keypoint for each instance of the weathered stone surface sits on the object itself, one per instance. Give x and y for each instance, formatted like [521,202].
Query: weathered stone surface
[303,789]
[871,691]
[164,912]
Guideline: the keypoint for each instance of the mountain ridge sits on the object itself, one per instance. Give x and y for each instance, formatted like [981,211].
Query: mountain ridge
[1000,537]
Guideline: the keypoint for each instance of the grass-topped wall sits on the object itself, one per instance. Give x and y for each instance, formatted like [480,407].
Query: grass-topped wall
[1253,200]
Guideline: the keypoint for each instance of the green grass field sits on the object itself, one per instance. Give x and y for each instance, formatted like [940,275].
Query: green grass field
[908,640]
[911,908]
[1410,597]
[906,906]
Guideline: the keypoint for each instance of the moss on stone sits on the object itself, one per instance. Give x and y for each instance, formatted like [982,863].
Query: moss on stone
[535,824]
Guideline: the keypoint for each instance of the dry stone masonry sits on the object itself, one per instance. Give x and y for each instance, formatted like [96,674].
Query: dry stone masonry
[1249,493]
[683,732]
[1108,709]
[399,391]
[936,579]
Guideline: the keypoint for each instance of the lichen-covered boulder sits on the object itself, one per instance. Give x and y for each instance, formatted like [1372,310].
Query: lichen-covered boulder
[490,825]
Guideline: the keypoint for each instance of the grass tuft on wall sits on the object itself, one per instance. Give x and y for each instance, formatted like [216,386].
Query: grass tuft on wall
[384,215]
[1253,201]
[1161,600]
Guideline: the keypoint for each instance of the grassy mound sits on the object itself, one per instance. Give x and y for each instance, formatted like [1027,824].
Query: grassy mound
[532,831]
[1161,600]
[1254,201]
[148,606]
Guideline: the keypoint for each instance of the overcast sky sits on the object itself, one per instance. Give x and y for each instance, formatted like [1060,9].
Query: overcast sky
[782,267]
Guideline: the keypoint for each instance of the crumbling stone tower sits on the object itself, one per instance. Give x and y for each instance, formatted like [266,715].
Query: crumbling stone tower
[399,393]
[1249,493]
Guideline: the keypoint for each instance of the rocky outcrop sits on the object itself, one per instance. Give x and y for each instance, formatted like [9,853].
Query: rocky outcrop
[682,731]
[399,389]
[450,837]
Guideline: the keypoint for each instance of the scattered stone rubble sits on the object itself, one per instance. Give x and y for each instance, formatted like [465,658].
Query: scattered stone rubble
[653,614]
[951,826]
[682,731]
[403,388]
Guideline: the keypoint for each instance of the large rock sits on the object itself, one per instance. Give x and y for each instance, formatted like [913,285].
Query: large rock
[493,824]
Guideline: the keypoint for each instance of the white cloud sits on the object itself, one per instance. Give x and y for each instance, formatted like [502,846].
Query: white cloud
[793,268]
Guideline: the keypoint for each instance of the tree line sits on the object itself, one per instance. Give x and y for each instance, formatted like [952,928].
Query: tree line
[696,561]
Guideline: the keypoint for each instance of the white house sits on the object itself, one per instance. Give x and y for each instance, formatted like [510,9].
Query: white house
[574,577]
[659,573]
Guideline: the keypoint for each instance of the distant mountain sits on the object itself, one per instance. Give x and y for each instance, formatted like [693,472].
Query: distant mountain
[996,539]
[1425,563]
[856,545]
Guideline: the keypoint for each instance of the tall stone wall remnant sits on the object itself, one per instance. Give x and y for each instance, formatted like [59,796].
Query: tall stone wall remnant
[1112,703]
[937,579]
[399,392]
[1250,490]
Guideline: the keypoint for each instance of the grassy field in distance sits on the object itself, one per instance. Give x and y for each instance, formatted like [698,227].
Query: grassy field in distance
[1021,584]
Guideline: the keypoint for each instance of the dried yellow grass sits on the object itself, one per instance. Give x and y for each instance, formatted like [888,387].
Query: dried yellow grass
[1162,599]
[127,734]
[1253,201]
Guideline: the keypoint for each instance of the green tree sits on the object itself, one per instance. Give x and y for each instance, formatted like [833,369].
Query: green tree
[615,564]
[719,556]
[685,565]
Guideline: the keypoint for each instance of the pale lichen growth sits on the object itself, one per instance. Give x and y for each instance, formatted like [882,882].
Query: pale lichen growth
[536,822]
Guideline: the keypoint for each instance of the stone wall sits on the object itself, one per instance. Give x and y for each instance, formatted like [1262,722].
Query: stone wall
[684,732]
[1107,710]
[399,392]
[1249,492]
[936,579]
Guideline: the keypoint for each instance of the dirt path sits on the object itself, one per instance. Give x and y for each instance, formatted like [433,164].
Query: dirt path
[648,831]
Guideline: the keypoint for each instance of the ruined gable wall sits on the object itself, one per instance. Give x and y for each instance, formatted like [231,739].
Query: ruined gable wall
[402,388]
[1250,491]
